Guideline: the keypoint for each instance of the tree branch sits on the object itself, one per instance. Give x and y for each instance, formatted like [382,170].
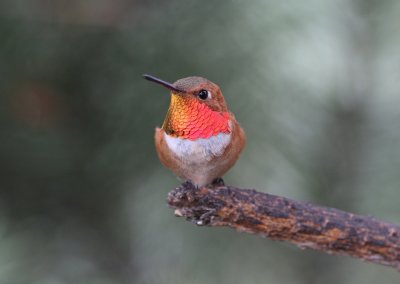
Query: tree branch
[303,224]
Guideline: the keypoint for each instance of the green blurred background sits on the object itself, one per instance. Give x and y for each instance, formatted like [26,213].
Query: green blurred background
[315,84]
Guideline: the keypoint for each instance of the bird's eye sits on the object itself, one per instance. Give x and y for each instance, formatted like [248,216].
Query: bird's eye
[204,94]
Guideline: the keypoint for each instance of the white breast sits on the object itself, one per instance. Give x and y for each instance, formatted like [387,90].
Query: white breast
[200,149]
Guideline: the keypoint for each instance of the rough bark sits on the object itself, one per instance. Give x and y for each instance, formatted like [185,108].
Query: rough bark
[303,224]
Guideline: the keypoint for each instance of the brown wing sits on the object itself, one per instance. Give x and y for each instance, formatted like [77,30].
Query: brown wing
[232,152]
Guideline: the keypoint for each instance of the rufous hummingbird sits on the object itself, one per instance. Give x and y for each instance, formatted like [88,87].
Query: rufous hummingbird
[200,139]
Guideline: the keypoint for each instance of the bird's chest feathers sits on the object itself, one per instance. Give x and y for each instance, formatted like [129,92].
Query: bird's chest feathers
[199,150]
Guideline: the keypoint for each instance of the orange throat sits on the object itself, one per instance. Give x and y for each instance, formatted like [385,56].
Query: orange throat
[188,118]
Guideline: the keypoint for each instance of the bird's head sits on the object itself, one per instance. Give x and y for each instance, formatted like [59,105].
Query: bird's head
[197,109]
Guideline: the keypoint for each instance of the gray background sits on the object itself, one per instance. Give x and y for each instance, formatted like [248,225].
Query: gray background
[315,85]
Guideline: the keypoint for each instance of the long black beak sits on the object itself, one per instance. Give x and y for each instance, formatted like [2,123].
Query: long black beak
[162,82]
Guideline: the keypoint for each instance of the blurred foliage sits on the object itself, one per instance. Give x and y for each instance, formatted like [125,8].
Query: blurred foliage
[315,84]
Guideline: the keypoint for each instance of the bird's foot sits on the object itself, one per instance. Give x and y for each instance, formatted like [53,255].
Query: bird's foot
[218,182]
[188,185]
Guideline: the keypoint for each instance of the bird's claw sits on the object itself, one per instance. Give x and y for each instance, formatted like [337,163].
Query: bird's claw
[187,185]
[218,182]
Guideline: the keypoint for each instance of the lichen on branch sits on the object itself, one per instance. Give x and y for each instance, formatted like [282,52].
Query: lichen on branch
[301,223]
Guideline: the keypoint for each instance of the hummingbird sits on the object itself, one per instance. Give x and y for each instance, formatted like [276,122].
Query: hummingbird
[200,139]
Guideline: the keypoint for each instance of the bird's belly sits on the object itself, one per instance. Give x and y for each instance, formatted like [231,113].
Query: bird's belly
[199,152]
[198,160]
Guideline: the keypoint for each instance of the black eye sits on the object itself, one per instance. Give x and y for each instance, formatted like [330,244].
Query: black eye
[203,94]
